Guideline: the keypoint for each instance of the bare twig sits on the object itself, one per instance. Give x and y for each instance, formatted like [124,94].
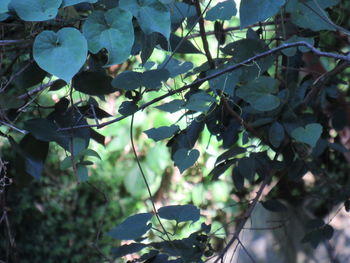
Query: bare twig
[199,82]
[36,90]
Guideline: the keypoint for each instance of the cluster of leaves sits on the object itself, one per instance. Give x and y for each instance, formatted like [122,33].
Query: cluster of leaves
[254,99]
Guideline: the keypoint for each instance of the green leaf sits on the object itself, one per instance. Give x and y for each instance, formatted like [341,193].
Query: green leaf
[222,11]
[132,228]
[178,45]
[246,48]
[43,130]
[62,53]
[172,106]
[184,158]
[303,15]
[128,108]
[309,135]
[276,134]
[150,79]
[246,167]
[128,80]
[82,173]
[179,213]
[112,30]
[162,133]
[252,11]
[235,150]
[152,15]
[4,6]
[258,93]
[93,83]
[200,101]
[226,82]
[274,206]
[175,67]
[74,2]
[36,10]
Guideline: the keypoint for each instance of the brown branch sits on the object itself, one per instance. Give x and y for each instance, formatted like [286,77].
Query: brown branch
[12,42]
[321,81]
[203,35]
[199,82]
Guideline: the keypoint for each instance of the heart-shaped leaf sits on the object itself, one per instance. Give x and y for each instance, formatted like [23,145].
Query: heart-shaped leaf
[258,93]
[252,11]
[185,158]
[309,135]
[175,67]
[36,10]
[180,213]
[61,54]
[4,6]
[222,11]
[74,2]
[161,133]
[152,15]
[132,228]
[112,30]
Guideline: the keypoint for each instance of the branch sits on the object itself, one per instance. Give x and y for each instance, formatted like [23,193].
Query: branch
[34,91]
[199,82]
[12,42]
[203,35]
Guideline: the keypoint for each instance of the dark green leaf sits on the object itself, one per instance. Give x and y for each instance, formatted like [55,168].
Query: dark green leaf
[230,153]
[180,213]
[252,11]
[276,134]
[178,45]
[184,158]
[222,11]
[200,101]
[303,14]
[93,83]
[220,169]
[246,167]
[238,179]
[128,108]
[31,76]
[128,80]
[175,67]
[132,228]
[259,93]
[172,106]
[152,15]
[62,53]
[162,133]
[112,30]
[127,249]
[152,79]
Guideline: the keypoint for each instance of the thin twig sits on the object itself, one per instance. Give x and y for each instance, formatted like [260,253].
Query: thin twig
[36,90]
[199,82]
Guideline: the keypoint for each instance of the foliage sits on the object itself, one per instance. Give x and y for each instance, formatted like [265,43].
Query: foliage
[273,95]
